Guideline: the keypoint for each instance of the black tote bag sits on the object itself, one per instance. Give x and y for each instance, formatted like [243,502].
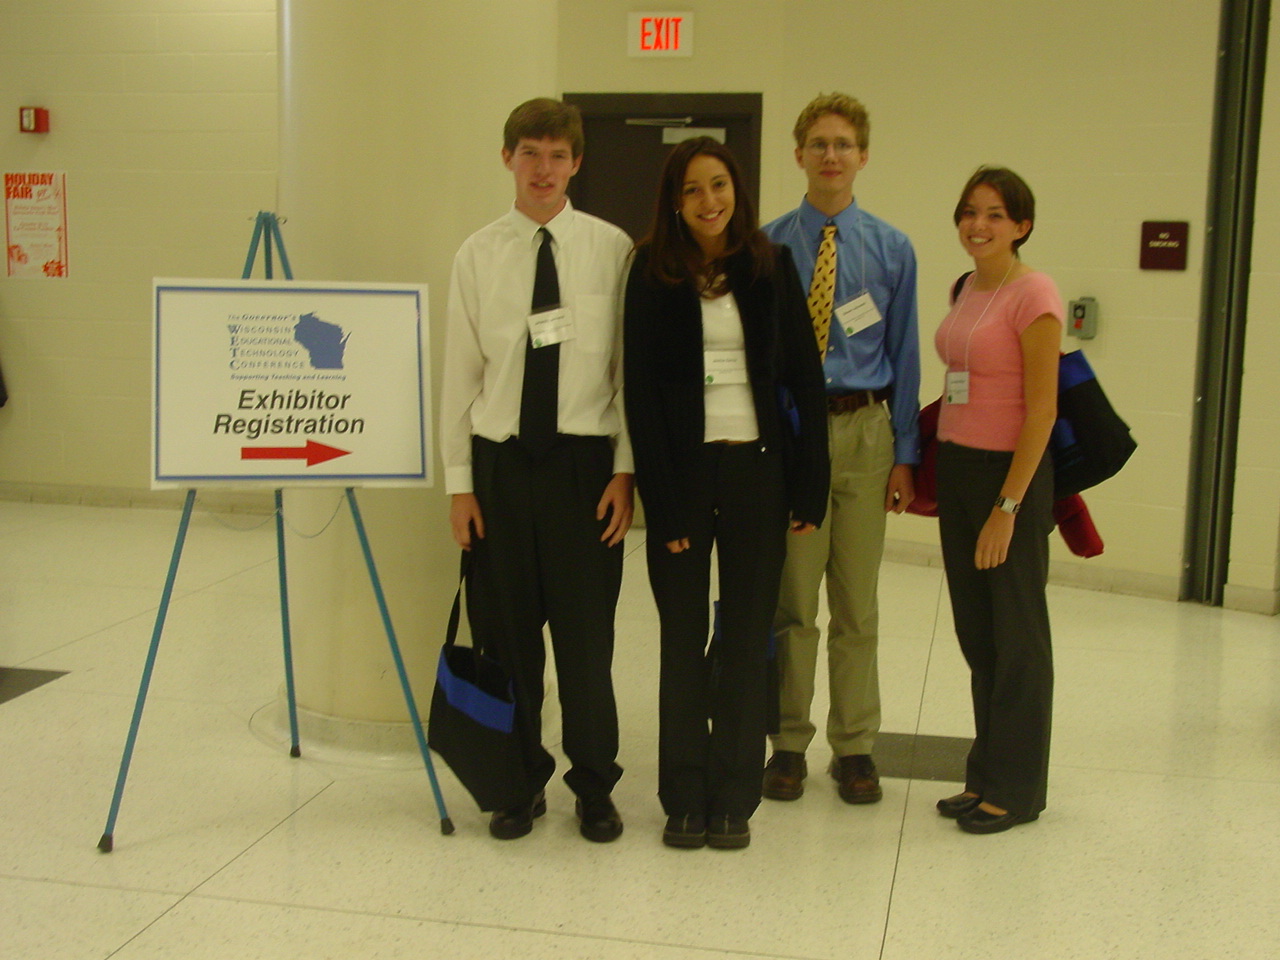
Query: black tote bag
[472,724]
[1090,442]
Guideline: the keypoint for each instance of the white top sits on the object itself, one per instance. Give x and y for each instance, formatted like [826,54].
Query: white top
[728,408]
[489,296]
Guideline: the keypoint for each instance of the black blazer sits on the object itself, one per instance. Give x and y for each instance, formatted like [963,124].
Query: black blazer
[663,367]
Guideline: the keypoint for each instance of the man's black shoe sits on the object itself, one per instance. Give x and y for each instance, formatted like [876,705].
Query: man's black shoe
[515,822]
[598,819]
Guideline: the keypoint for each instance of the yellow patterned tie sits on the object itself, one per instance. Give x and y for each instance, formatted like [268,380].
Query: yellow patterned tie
[822,290]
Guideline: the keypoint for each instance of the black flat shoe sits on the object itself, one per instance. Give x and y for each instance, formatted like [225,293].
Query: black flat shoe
[958,806]
[515,822]
[686,831]
[979,821]
[598,819]
[728,833]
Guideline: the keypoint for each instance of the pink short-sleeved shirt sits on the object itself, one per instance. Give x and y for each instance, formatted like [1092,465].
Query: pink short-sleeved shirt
[982,334]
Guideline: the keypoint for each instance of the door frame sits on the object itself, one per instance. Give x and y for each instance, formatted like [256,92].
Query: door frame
[1237,125]
[739,106]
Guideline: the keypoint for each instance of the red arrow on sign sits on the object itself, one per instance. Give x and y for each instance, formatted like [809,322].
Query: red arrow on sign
[313,453]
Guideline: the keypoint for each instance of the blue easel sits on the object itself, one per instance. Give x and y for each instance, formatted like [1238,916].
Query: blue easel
[267,231]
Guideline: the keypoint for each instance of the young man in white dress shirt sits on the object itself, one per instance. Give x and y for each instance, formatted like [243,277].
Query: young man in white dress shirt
[543,510]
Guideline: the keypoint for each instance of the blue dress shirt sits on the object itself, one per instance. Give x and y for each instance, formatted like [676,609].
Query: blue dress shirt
[871,255]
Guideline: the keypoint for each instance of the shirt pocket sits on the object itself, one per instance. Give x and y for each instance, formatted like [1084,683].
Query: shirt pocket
[595,317]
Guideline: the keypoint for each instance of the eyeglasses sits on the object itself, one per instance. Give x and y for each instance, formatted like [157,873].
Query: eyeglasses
[819,148]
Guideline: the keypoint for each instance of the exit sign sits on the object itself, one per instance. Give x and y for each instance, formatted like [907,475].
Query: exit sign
[665,33]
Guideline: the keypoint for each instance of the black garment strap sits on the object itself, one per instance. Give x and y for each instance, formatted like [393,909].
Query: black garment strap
[451,634]
[539,395]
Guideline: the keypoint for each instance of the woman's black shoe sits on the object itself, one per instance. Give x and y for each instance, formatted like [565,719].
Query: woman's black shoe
[687,831]
[979,821]
[725,832]
[958,805]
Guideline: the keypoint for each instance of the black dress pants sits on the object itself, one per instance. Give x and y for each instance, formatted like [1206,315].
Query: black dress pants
[712,702]
[1002,622]
[542,562]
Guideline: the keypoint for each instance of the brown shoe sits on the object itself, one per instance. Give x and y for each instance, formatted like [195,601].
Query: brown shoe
[784,775]
[857,777]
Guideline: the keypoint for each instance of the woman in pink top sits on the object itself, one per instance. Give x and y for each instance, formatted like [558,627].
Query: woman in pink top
[995,497]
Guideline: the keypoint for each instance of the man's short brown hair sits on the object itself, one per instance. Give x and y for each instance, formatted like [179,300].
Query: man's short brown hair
[842,105]
[540,118]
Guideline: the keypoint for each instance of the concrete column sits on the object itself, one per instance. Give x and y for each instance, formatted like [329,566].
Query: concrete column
[391,126]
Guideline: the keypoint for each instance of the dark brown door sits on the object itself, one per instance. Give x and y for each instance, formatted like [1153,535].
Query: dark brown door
[629,136]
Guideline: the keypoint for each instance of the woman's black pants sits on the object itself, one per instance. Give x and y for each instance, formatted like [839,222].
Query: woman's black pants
[712,699]
[1002,622]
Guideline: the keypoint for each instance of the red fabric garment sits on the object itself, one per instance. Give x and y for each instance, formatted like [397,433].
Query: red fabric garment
[1076,526]
[926,471]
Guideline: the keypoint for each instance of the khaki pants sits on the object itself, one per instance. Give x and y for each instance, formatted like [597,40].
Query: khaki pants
[847,551]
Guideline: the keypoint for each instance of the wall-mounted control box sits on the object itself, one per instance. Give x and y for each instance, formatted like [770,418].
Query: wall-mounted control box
[1082,318]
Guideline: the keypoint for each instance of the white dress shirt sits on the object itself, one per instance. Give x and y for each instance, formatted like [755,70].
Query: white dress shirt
[489,297]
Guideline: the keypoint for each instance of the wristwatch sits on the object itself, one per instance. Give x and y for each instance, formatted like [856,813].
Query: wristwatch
[1007,505]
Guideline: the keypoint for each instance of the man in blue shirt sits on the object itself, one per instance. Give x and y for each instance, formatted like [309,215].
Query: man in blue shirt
[866,327]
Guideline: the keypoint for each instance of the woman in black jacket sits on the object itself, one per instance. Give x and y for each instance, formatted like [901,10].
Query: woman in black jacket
[717,343]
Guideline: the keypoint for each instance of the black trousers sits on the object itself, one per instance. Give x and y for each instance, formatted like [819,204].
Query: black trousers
[712,702]
[542,562]
[1002,622]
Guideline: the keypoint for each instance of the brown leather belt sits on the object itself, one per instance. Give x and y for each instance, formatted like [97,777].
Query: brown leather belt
[849,402]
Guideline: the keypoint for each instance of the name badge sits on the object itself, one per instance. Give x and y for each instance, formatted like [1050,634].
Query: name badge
[858,314]
[957,386]
[551,326]
[725,366]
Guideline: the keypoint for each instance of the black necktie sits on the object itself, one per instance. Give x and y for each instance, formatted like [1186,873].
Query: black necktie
[539,394]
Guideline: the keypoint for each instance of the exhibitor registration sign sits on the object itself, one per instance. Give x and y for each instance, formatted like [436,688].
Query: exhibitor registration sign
[287,383]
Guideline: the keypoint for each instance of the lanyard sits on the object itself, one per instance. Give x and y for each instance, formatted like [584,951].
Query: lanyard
[960,308]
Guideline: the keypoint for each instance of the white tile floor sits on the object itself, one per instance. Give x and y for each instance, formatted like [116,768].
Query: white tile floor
[1162,837]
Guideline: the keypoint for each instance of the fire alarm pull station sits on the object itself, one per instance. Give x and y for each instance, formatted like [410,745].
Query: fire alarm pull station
[1083,321]
[33,119]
